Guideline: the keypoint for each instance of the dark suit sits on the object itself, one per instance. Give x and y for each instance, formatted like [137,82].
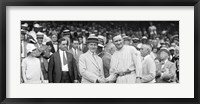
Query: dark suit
[55,68]
[106,64]
[77,60]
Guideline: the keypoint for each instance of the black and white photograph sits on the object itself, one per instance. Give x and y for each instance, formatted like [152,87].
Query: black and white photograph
[101,52]
[108,52]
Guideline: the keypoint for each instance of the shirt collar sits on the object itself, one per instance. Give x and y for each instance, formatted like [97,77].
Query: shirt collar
[91,52]
[61,51]
[73,49]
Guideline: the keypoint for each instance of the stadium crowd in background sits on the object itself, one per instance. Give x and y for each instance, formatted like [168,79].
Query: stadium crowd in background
[98,51]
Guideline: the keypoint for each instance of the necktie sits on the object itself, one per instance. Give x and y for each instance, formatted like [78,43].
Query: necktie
[64,59]
[95,60]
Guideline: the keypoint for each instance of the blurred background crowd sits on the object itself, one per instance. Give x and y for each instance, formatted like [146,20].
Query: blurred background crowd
[40,39]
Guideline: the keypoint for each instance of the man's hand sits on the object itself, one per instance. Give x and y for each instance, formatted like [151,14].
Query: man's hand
[102,80]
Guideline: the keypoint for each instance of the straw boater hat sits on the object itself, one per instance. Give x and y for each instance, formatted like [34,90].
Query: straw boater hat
[92,39]
[165,50]
[37,26]
[25,25]
[171,48]
[144,37]
[40,35]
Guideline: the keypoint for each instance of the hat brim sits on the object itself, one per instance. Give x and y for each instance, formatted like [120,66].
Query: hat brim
[92,41]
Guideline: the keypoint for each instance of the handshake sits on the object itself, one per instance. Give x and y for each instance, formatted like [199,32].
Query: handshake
[102,80]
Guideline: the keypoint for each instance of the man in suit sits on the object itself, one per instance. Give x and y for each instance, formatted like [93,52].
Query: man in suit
[53,44]
[76,53]
[90,64]
[148,65]
[62,65]
[166,70]
[81,45]
[109,50]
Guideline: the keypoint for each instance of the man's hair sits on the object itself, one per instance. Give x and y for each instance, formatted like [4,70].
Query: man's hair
[53,35]
[116,34]
[149,47]
[60,40]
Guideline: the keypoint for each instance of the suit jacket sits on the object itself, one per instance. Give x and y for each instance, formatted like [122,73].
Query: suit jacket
[89,69]
[106,64]
[169,72]
[82,47]
[148,70]
[75,56]
[85,49]
[55,67]
[77,60]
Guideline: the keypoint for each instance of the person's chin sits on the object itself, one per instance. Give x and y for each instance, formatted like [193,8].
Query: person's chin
[93,50]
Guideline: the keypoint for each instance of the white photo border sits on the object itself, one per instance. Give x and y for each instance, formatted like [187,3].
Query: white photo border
[183,14]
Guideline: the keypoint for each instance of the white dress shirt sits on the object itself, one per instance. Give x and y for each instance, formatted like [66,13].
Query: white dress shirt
[75,51]
[55,47]
[64,67]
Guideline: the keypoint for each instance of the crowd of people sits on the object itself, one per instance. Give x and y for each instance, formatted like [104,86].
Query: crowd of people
[99,52]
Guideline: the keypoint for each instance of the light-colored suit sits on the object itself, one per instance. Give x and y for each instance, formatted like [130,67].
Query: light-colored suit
[148,70]
[90,69]
[168,72]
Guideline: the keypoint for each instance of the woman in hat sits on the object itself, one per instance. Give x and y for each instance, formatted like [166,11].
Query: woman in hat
[31,67]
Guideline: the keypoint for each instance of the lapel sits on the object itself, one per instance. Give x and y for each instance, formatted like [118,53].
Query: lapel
[59,60]
[53,50]
[90,57]
[79,53]
[68,61]
[166,66]
[70,51]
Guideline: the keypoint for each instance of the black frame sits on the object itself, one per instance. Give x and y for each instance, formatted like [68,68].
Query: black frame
[4,3]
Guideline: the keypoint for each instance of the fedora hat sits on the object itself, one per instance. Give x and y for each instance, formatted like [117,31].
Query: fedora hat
[92,39]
